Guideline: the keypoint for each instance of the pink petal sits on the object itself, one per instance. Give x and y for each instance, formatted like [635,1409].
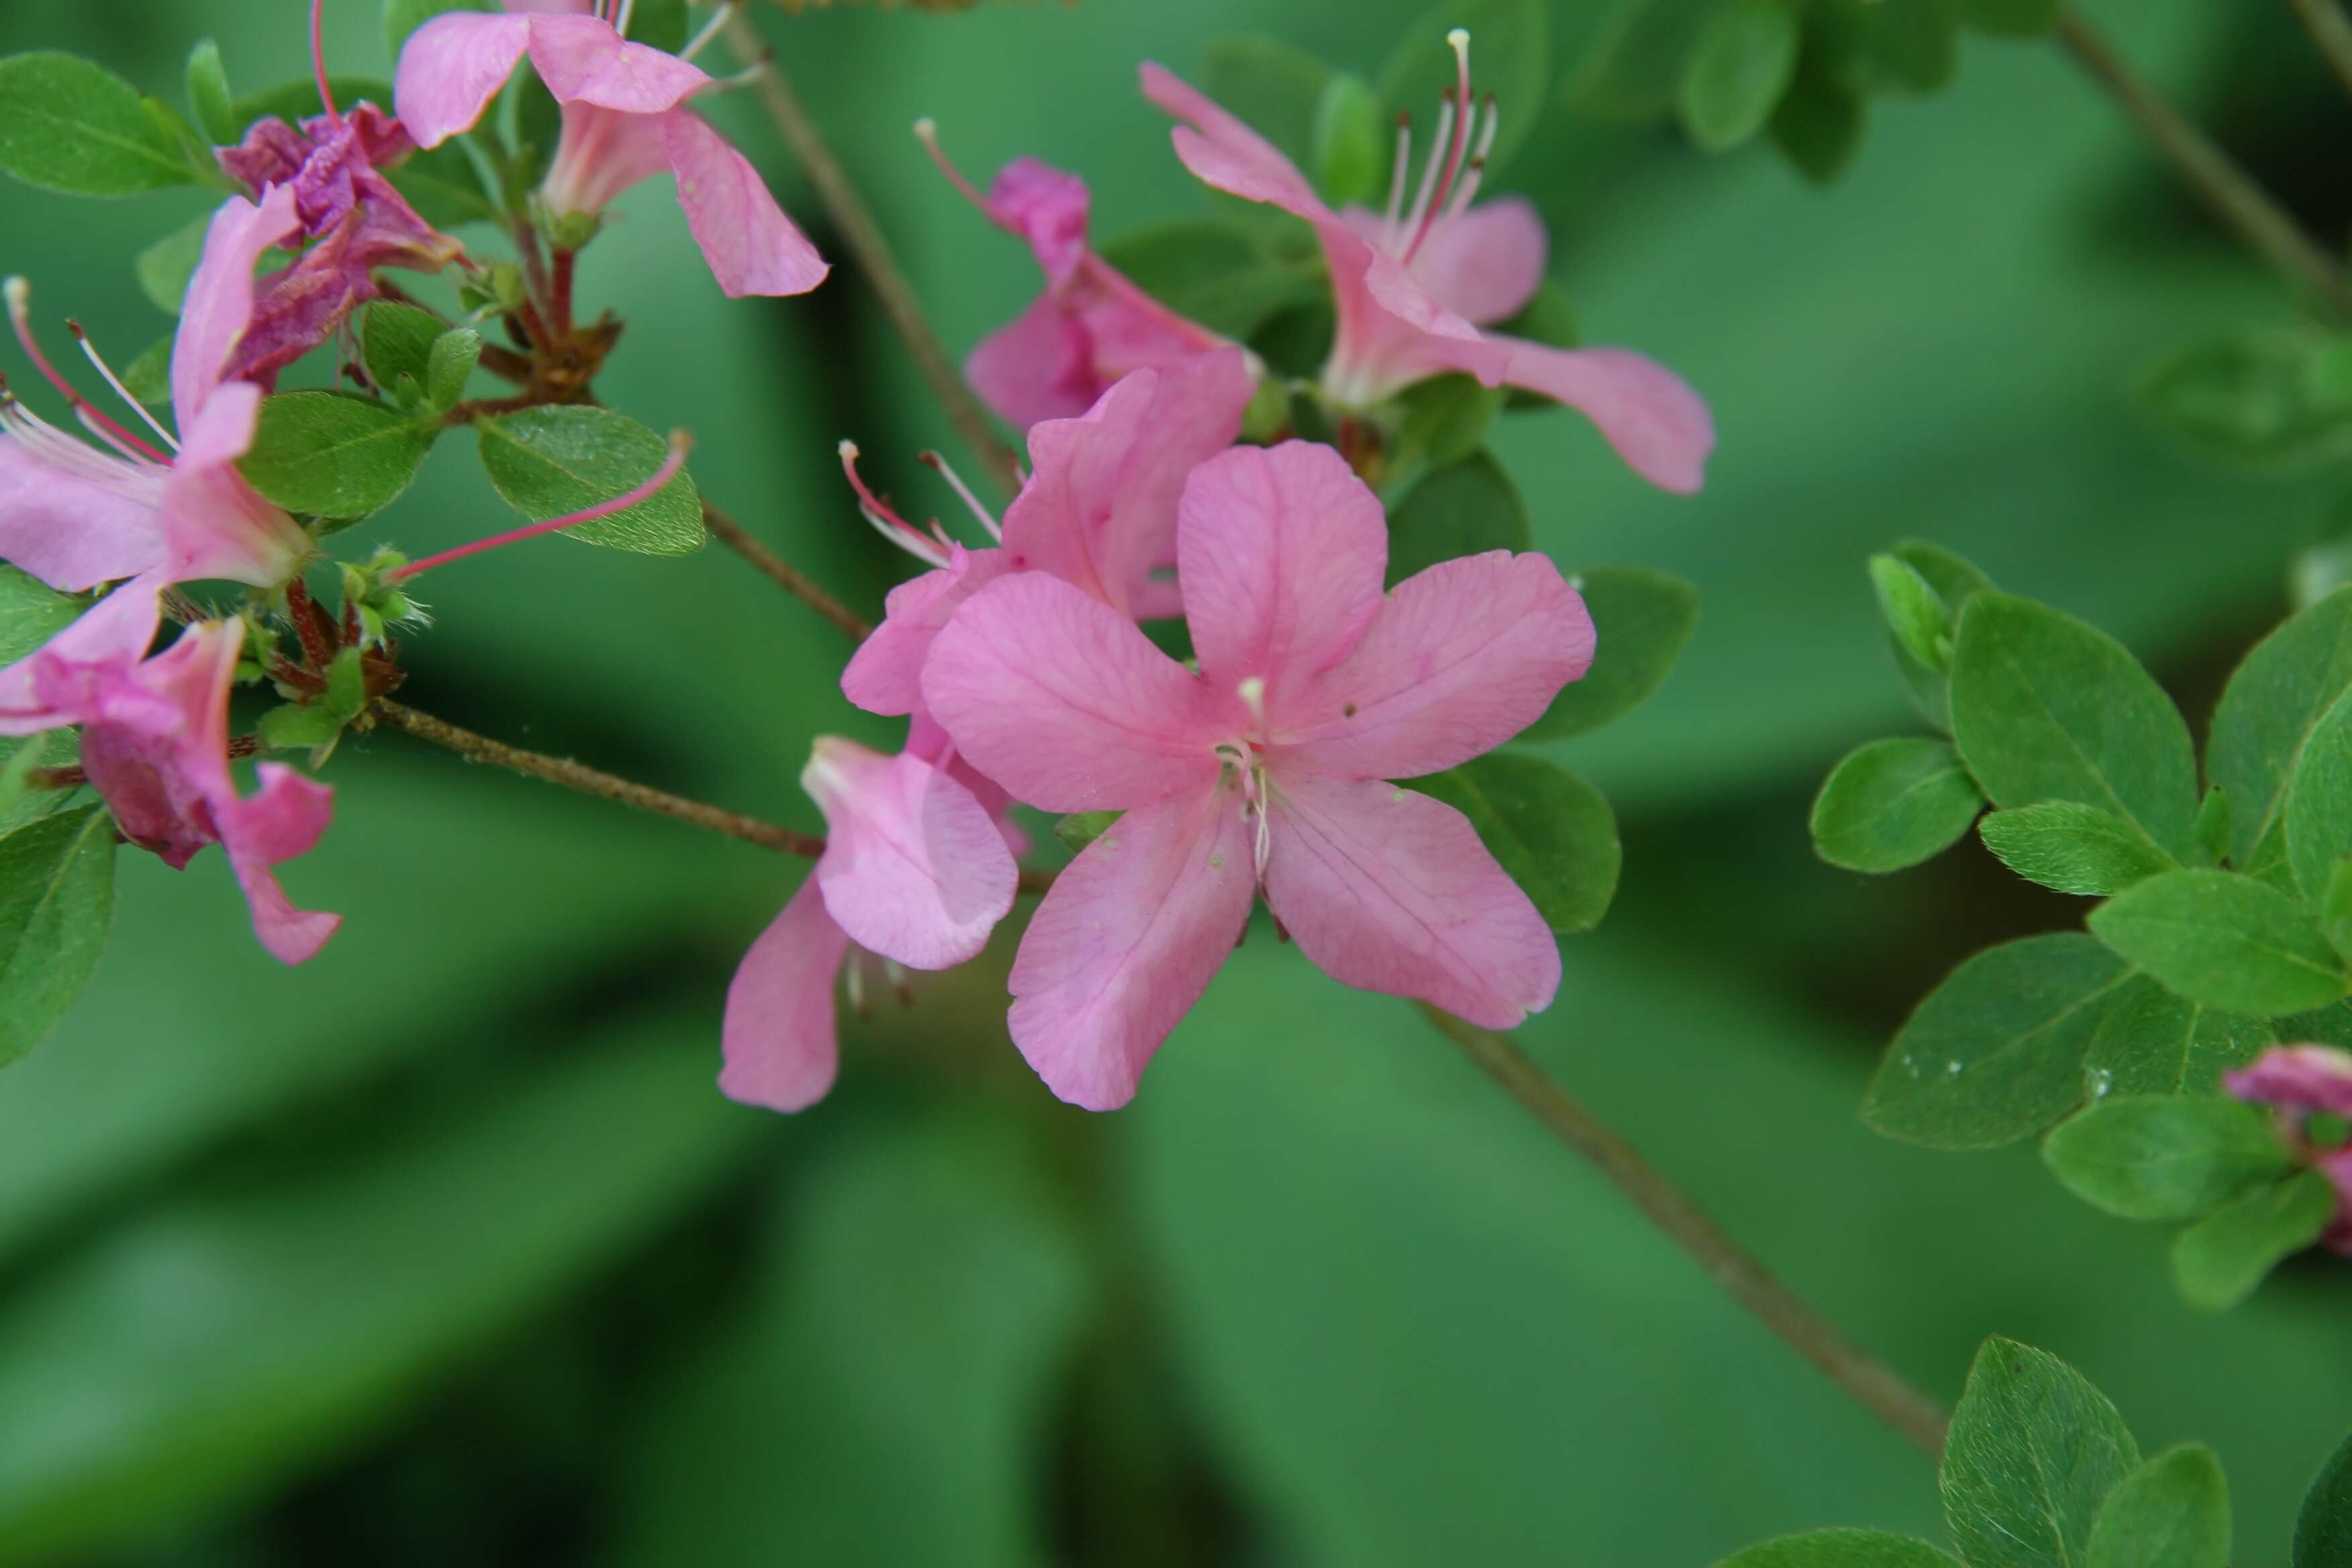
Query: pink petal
[1221,151]
[1100,508]
[2297,1078]
[215,523]
[1281,551]
[886,674]
[219,305]
[110,636]
[1126,329]
[601,154]
[1487,264]
[778,1038]
[1060,698]
[73,532]
[1046,207]
[1039,365]
[1387,890]
[450,70]
[914,867]
[1462,658]
[583,60]
[752,245]
[1658,425]
[282,820]
[1128,939]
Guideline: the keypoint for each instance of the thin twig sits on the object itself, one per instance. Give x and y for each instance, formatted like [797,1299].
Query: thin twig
[1878,1388]
[875,257]
[2227,190]
[783,574]
[2324,20]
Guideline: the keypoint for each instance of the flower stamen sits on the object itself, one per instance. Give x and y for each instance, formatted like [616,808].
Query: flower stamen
[1459,41]
[680,443]
[939,465]
[318,66]
[89,353]
[933,549]
[19,296]
[709,30]
[927,132]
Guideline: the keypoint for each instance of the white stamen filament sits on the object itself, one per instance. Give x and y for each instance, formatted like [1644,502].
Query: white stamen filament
[1458,144]
[621,16]
[1429,171]
[89,353]
[97,425]
[1253,696]
[133,477]
[955,482]
[1468,188]
[1396,206]
[906,539]
[709,30]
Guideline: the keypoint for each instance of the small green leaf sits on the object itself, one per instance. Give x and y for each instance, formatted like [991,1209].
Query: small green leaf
[57,900]
[148,378]
[2270,399]
[1995,1053]
[1446,419]
[2269,712]
[67,124]
[2211,831]
[2171,1512]
[2224,939]
[396,340]
[1914,612]
[2047,708]
[1080,829]
[1351,151]
[552,461]
[31,612]
[2322,1529]
[346,685]
[1905,46]
[442,184]
[1818,122]
[2165,1156]
[163,267]
[659,24]
[2032,1452]
[333,454]
[209,94]
[1892,804]
[2335,909]
[450,365]
[2012,18]
[1510,60]
[2073,848]
[2318,812]
[1736,74]
[1955,581]
[1465,509]
[1214,271]
[401,17]
[2152,1042]
[2218,1261]
[1551,831]
[1841,1549]
[1641,619]
[294,727]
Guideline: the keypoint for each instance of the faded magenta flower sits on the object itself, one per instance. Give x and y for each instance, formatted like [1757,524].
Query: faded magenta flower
[1415,286]
[1090,327]
[918,868]
[2302,1080]
[625,121]
[1267,768]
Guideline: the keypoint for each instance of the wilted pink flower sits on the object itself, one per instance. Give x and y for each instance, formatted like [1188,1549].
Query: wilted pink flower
[917,868]
[1090,327]
[2302,1080]
[625,121]
[1265,769]
[1414,286]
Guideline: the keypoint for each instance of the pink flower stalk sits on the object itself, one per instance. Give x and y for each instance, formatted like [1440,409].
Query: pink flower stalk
[917,868]
[1089,328]
[1415,286]
[1267,768]
[2302,1080]
[625,121]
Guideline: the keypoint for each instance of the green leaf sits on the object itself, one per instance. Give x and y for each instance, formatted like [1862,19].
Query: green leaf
[2171,1512]
[442,184]
[67,124]
[334,454]
[1840,1549]
[1552,832]
[1736,74]
[1350,153]
[2152,1042]
[2218,1261]
[297,727]
[1510,59]
[56,898]
[2047,708]
[450,365]
[2165,1156]
[148,378]
[2212,826]
[547,462]
[1954,581]
[209,94]
[2032,1451]
[1214,271]
[2012,18]
[20,800]
[659,24]
[2317,816]
[401,17]
[31,612]
[396,340]
[1641,619]
[2273,399]
[1818,122]
[1446,419]
[298,100]
[2269,712]
[1465,509]
[1995,1053]
[1080,829]
[2224,939]
[1905,46]
[163,267]
[1275,87]
[1633,69]
[1892,804]
[346,685]
[2073,848]
[1914,614]
[2322,1529]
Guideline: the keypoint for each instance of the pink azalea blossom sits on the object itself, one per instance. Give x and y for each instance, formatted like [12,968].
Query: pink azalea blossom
[1264,769]
[1416,286]
[2301,1080]
[1090,327]
[625,119]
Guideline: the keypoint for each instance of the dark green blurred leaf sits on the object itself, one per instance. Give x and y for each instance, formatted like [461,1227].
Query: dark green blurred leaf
[401,17]
[396,340]
[1892,804]
[2150,1041]
[1275,87]
[1550,830]
[547,462]
[2171,1512]
[1738,71]
[164,267]
[1640,620]
[1818,122]
[1996,1051]
[2223,939]
[2218,1261]
[659,24]
[148,378]
[209,94]
[297,101]
[1905,46]
[443,185]
[1634,70]
[1510,60]
[2274,399]
[2012,18]
[1840,1549]
[2269,711]
[2032,1452]
[334,454]
[2165,1156]
[31,612]
[1465,509]
[2073,848]
[1445,422]
[69,124]
[1214,271]
[56,898]
[1350,153]
[2323,1529]
[2045,708]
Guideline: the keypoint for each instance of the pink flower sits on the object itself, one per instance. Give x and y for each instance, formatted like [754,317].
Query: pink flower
[2302,1080]
[1090,327]
[1265,769]
[1414,287]
[917,868]
[625,121]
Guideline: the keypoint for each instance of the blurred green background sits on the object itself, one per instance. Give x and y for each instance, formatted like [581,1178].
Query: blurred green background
[444,1247]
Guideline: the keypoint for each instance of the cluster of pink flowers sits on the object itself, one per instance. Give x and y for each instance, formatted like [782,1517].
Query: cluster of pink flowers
[2303,1081]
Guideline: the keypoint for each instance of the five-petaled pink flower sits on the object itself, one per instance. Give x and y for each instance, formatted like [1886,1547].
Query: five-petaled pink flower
[1267,768]
[2301,1080]
[1414,286]
[625,119]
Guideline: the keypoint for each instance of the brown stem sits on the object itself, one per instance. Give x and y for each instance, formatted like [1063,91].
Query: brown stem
[2324,20]
[559,293]
[1878,1388]
[874,256]
[783,574]
[2228,191]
